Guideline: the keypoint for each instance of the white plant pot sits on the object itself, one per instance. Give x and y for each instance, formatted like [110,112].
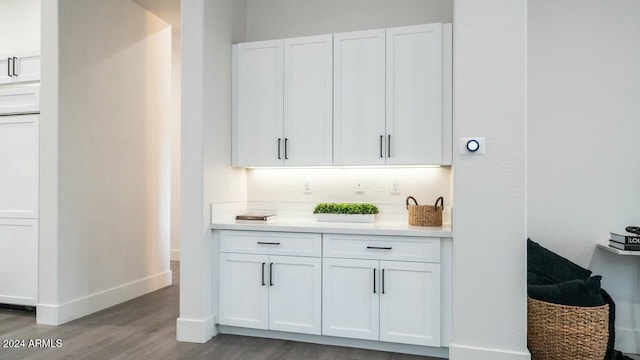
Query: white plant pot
[351,218]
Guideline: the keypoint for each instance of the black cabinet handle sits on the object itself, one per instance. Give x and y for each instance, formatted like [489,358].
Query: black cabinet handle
[374,281]
[268,243]
[263,264]
[15,59]
[9,67]
[381,137]
[279,141]
[286,153]
[382,281]
[271,274]
[389,146]
[379,247]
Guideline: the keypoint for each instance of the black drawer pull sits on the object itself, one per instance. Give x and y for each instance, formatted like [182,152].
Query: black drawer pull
[9,67]
[268,243]
[279,141]
[263,264]
[15,59]
[374,280]
[379,247]
[271,274]
[382,281]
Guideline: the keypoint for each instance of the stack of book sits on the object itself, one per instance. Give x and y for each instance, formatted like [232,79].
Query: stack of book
[625,241]
[255,218]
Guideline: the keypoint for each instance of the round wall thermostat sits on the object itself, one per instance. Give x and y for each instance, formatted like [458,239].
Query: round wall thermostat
[473,145]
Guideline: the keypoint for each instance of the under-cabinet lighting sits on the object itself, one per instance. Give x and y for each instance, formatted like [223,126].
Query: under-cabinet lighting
[346,167]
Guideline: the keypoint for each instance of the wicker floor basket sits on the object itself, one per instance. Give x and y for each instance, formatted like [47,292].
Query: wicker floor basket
[425,215]
[559,332]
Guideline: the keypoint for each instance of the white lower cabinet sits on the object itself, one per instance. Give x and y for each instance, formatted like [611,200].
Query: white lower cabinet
[390,301]
[385,288]
[244,294]
[389,289]
[280,293]
[295,294]
[19,261]
[350,298]
[410,303]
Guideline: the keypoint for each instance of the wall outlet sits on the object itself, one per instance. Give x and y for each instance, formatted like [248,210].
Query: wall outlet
[395,186]
[308,186]
[359,186]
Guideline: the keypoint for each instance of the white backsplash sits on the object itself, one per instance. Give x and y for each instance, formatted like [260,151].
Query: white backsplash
[281,191]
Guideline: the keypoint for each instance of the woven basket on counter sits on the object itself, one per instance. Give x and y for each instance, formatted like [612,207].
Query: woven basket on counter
[559,332]
[425,215]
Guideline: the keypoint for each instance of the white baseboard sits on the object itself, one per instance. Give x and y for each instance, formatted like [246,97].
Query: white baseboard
[628,340]
[195,331]
[56,314]
[439,352]
[461,352]
[175,254]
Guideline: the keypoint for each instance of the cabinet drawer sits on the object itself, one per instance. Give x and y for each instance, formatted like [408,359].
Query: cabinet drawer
[382,247]
[271,243]
[20,100]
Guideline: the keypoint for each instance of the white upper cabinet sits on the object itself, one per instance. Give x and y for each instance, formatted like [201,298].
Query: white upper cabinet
[283,102]
[359,98]
[18,69]
[258,105]
[308,101]
[371,97]
[414,95]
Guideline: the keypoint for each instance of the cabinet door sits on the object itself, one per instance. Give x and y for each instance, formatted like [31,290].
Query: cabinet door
[18,261]
[257,126]
[410,303]
[414,95]
[6,74]
[359,98]
[19,166]
[308,100]
[28,68]
[244,291]
[295,299]
[350,306]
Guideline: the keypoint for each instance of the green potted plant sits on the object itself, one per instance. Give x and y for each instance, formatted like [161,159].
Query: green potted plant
[340,212]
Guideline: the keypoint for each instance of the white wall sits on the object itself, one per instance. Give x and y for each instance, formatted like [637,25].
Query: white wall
[208,30]
[276,19]
[489,247]
[19,27]
[174,138]
[169,11]
[583,160]
[114,100]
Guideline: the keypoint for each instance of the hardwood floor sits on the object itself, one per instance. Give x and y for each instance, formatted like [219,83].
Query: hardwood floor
[145,328]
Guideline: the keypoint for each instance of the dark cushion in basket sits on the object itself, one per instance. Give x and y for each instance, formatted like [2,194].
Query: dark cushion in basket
[577,292]
[547,267]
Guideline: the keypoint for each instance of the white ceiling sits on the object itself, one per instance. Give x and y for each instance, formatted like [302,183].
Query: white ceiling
[167,10]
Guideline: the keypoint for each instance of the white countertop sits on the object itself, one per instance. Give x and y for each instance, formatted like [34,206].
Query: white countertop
[314,226]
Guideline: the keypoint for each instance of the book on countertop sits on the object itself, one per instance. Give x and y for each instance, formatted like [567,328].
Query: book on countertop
[255,218]
[625,247]
[626,238]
